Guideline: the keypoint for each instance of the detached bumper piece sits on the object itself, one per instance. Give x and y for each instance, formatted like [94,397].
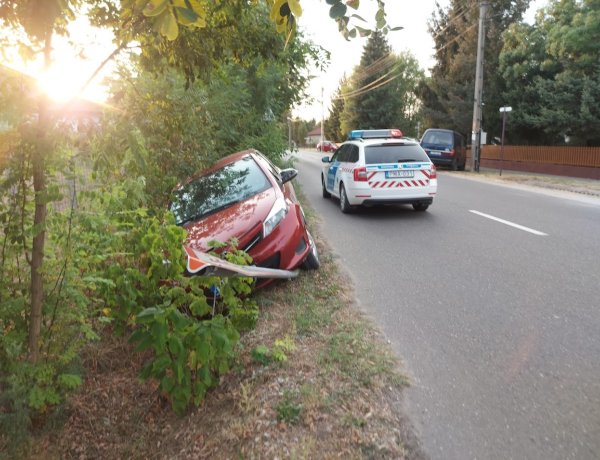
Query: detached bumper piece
[205,264]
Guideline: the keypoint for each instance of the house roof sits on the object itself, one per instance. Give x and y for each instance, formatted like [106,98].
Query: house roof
[315,132]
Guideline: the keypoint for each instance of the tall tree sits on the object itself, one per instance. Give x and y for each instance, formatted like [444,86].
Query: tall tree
[448,95]
[552,74]
[382,90]
[409,78]
[333,124]
[371,103]
[39,20]
[521,62]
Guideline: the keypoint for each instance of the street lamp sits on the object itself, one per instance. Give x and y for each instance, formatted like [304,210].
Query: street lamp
[503,110]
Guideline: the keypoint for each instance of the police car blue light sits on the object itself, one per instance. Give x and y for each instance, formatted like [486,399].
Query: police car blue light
[374,134]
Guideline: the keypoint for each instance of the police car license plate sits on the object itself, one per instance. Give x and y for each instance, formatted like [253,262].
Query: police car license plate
[399,173]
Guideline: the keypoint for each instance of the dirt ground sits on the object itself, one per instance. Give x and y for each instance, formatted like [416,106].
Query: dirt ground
[584,187]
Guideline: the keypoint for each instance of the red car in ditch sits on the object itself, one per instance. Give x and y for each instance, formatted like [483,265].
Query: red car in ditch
[246,197]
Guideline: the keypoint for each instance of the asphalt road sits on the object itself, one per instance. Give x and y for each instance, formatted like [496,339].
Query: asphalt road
[492,300]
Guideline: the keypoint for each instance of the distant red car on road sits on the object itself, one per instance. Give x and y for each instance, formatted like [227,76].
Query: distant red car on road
[246,197]
[326,146]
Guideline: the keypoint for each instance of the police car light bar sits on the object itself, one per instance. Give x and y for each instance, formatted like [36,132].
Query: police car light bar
[374,134]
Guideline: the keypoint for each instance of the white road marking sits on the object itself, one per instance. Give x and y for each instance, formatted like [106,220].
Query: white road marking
[512,224]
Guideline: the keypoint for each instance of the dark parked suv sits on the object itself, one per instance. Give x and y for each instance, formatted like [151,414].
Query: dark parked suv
[445,148]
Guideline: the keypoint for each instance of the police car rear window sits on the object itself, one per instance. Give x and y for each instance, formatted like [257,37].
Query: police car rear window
[394,153]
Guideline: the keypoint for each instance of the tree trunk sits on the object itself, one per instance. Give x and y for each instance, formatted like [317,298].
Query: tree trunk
[39,220]
[37,255]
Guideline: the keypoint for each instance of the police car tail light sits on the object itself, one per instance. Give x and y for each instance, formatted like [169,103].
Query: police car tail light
[451,152]
[433,174]
[360,174]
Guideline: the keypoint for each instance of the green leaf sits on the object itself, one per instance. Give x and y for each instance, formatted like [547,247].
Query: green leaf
[295,7]
[148,313]
[186,16]
[178,368]
[168,26]
[69,381]
[155,7]
[167,384]
[356,16]
[175,345]
[144,342]
[160,364]
[200,308]
[37,398]
[205,352]
[98,280]
[363,32]
[205,376]
[338,10]
[223,367]
[199,392]
[159,332]
[354,4]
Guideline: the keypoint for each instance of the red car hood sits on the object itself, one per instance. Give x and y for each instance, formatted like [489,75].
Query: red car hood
[242,221]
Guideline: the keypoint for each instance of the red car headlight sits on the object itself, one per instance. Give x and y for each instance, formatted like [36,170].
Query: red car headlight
[276,215]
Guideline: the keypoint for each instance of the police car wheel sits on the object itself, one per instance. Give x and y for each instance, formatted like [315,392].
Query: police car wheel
[420,206]
[345,206]
[326,194]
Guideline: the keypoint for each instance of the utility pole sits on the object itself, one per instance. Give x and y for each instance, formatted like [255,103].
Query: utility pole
[322,116]
[477,103]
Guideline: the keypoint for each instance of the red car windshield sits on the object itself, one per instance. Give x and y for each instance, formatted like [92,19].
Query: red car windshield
[218,190]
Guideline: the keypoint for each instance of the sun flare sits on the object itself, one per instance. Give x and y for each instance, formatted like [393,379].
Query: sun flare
[60,86]
[62,83]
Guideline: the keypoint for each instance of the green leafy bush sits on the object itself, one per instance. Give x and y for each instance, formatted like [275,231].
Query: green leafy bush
[139,285]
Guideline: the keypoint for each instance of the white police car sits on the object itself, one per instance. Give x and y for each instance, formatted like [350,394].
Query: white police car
[377,167]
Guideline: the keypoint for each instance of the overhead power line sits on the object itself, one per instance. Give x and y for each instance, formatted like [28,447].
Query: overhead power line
[375,67]
[369,85]
[365,90]
[452,21]
[456,38]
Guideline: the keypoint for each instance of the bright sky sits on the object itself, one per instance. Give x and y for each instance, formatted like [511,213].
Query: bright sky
[345,55]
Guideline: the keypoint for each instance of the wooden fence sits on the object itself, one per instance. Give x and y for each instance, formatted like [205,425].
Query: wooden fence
[563,161]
